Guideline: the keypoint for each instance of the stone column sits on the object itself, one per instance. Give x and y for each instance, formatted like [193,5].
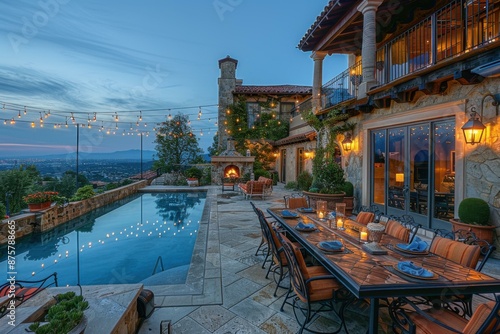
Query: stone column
[318,57]
[368,52]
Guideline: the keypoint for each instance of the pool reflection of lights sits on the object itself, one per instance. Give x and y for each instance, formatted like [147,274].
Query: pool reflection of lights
[99,261]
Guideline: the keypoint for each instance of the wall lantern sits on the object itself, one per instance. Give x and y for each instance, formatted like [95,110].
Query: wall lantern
[347,142]
[473,129]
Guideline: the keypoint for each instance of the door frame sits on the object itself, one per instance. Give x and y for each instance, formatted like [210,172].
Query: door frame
[429,113]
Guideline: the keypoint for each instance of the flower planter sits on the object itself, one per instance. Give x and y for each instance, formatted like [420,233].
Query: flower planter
[330,199]
[192,181]
[482,232]
[34,207]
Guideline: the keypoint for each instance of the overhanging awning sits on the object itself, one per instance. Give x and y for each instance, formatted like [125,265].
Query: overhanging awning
[302,137]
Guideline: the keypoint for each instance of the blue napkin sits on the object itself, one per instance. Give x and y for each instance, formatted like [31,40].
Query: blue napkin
[331,245]
[417,245]
[286,213]
[409,268]
[307,209]
[303,226]
[333,215]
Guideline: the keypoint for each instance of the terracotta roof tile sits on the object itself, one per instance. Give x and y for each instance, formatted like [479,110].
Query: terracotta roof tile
[278,90]
[308,136]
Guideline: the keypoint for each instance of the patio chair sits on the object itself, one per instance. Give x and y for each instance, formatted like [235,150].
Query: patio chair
[409,318]
[365,217]
[464,248]
[404,228]
[395,229]
[312,289]
[279,259]
[296,201]
[24,290]
[264,244]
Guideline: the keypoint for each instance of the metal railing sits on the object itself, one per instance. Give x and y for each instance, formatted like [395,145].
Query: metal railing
[343,87]
[159,261]
[456,28]
[304,106]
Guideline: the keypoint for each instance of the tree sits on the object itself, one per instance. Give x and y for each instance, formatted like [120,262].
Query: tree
[17,183]
[214,149]
[176,144]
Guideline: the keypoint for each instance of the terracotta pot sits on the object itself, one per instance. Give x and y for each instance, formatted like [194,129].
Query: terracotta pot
[34,207]
[481,232]
[330,199]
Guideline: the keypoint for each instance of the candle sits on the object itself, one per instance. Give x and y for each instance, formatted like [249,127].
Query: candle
[321,214]
[340,223]
[363,236]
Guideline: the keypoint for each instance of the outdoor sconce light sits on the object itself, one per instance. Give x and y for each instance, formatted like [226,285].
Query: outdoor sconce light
[400,177]
[347,142]
[473,129]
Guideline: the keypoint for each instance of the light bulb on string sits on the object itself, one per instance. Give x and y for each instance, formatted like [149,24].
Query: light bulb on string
[19,114]
[116,117]
[95,117]
[140,115]
[32,124]
[25,111]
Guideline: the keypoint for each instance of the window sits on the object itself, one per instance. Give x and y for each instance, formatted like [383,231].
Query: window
[301,161]
[253,112]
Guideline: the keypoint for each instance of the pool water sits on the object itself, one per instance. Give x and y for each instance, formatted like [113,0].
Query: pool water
[117,244]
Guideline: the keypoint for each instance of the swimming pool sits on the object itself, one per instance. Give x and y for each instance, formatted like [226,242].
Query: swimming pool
[117,244]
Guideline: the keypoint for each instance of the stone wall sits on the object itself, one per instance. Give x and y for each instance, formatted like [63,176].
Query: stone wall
[48,219]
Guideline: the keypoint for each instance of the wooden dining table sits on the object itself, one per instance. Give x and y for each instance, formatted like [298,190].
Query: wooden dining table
[374,277]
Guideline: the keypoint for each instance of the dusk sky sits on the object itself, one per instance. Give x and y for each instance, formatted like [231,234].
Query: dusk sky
[129,58]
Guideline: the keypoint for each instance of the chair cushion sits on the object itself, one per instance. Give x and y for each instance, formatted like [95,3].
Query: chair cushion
[456,251]
[396,230]
[425,326]
[365,217]
[479,317]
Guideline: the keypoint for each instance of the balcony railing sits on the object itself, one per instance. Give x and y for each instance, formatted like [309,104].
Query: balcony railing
[343,87]
[302,107]
[454,29]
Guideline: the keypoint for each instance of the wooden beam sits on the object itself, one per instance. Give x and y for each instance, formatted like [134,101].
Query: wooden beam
[466,77]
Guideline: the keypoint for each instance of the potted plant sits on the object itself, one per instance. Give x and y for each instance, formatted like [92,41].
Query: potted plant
[193,175]
[40,200]
[328,180]
[66,316]
[474,215]
[349,197]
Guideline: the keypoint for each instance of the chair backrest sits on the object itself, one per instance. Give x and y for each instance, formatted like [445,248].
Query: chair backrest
[396,230]
[456,251]
[469,238]
[295,261]
[297,202]
[365,217]
[486,318]
[272,239]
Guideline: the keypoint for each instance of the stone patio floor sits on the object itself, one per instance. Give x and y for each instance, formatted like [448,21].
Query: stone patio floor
[228,292]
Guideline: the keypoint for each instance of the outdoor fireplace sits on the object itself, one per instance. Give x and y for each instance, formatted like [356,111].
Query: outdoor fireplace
[230,164]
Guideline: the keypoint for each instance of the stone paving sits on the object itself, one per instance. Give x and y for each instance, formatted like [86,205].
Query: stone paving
[228,291]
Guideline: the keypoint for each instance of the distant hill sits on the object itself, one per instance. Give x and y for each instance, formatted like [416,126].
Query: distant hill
[118,155]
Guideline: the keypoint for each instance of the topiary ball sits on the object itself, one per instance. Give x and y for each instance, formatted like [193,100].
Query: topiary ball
[474,211]
[348,189]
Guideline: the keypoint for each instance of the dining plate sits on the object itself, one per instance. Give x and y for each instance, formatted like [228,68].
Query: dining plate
[310,229]
[306,210]
[292,215]
[329,250]
[434,275]
[425,252]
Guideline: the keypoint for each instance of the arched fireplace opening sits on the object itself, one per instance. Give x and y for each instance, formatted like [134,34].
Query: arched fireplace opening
[231,172]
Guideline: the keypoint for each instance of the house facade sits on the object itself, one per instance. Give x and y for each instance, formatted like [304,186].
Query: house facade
[418,72]
[293,153]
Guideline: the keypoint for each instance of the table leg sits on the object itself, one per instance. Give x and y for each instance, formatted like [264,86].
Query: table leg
[373,323]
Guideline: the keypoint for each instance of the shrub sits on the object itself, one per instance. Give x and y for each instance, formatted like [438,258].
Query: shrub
[3,211]
[84,193]
[348,189]
[292,185]
[260,172]
[193,172]
[474,211]
[304,180]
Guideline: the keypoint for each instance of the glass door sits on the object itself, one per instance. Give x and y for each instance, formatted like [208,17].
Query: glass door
[413,171]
